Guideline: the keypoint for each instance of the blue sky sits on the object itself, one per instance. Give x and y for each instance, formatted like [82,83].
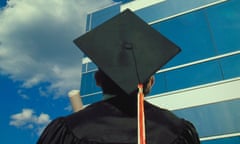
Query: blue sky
[39,64]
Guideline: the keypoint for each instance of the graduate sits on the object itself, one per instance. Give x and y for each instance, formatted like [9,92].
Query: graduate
[127,52]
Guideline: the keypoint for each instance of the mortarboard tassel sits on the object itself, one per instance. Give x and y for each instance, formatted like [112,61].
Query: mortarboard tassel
[141,116]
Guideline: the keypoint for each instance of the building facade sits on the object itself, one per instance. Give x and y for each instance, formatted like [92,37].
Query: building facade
[202,83]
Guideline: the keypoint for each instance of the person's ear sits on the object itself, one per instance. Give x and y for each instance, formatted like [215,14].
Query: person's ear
[151,81]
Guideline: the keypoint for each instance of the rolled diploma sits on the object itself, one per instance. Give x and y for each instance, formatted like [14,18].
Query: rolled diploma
[76,101]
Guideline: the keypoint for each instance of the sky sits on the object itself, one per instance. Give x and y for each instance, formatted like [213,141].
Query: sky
[39,64]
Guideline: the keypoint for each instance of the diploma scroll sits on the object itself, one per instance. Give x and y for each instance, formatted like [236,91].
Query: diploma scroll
[76,101]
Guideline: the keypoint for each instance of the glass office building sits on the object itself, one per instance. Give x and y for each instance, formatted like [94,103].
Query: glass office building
[201,83]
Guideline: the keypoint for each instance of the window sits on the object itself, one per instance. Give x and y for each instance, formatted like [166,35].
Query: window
[92,98]
[191,33]
[193,75]
[231,66]
[88,84]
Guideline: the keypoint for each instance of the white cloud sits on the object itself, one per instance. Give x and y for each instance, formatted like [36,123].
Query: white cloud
[43,119]
[36,41]
[22,94]
[27,117]
[23,118]
[29,120]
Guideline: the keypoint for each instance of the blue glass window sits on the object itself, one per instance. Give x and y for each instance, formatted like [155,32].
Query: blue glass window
[101,16]
[191,33]
[193,75]
[214,119]
[169,8]
[122,1]
[88,84]
[224,21]
[159,84]
[228,140]
[91,66]
[84,67]
[88,22]
[231,66]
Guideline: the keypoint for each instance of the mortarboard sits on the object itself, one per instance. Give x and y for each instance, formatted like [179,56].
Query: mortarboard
[128,51]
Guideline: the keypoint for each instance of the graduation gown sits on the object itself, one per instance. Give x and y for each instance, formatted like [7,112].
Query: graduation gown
[114,121]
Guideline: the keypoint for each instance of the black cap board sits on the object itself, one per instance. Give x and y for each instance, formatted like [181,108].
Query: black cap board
[127,49]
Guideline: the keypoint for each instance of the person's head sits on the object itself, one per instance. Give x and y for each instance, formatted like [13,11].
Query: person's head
[110,87]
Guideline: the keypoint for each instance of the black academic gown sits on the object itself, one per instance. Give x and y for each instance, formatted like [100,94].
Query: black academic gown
[114,121]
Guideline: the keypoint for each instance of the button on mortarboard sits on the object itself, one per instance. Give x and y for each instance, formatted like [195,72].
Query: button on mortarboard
[127,49]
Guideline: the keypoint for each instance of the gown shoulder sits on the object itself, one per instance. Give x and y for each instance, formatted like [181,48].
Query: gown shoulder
[103,123]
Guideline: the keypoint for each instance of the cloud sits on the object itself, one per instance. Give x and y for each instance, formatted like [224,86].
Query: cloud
[21,93]
[36,41]
[27,119]
[21,119]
